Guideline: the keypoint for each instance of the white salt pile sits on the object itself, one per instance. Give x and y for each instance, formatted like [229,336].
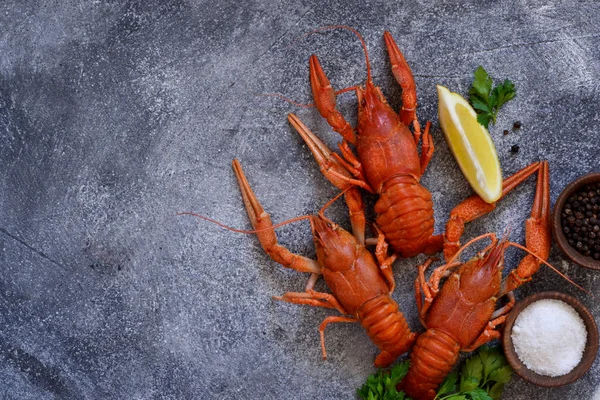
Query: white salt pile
[549,337]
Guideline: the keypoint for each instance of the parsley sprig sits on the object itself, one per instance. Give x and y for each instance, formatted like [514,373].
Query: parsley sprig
[482,377]
[382,384]
[487,101]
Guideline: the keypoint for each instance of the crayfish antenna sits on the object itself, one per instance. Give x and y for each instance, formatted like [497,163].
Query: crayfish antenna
[286,99]
[470,242]
[348,89]
[273,227]
[506,233]
[245,231]
[330,202]
[358,35]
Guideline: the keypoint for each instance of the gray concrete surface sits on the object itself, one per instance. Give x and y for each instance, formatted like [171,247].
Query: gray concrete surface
[114,116]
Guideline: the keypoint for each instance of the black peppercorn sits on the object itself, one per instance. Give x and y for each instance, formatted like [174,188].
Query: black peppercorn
[517,125]
[514,149]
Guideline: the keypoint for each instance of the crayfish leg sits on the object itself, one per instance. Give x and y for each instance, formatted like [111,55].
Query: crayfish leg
[312,298]
[474,207]
[385,262]
[427,148]
[435,243]
[423,289]
[490,333]
[537,234]
[404,76]
[325,100]
[328,321]
[339,173]
[261,221]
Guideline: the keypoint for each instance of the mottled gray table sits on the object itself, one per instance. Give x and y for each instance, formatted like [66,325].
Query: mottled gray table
[114,117]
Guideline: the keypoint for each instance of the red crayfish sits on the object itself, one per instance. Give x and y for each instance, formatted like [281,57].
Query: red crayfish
[462,315]
[360,285]
[388,161]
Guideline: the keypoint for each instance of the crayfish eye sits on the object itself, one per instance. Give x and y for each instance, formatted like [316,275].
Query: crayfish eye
[363,103]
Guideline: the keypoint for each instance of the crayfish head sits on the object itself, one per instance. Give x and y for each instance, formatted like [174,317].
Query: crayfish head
[374,112]
[482,275]
[335,247]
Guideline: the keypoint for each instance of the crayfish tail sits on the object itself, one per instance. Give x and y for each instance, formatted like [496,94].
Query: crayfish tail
[432,358]
[386,326]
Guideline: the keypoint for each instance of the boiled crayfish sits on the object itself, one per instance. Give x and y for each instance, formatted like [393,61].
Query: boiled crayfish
[360,285]
[388,161]
[462,315]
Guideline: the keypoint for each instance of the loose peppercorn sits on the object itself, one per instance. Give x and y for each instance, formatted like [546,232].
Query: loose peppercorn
[517,125]
[514,149]
[580,222]
[505,132]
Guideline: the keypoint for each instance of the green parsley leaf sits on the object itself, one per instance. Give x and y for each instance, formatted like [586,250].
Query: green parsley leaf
[491,359]
[483,83]
[501,374]
[480,105]
[381,385]
[486,101]
[399,371]
[468,383]
[496,390]
[448,385]
[472,373]
[478,394]
[506,92]
[484,119]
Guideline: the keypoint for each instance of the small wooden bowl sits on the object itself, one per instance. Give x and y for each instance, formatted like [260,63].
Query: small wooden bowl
[559,236]
[589,353]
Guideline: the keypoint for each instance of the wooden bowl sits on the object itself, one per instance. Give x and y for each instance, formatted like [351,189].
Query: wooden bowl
[589,353]
[559,236]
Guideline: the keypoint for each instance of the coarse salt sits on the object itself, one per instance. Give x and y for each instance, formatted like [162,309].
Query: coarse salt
[549,337]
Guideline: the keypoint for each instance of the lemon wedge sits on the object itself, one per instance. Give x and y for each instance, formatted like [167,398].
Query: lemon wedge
[471,145]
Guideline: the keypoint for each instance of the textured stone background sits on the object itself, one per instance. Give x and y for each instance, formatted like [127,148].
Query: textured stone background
[114,116]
